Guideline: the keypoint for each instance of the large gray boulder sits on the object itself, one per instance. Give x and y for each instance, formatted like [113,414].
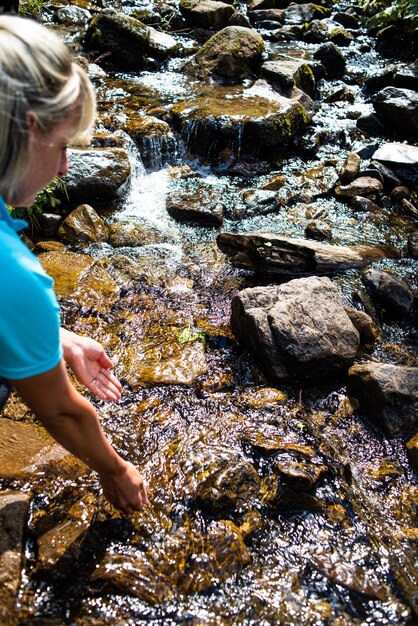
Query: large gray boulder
[126,41]
[296,330]
[388,394]
[398,109]
[96,176]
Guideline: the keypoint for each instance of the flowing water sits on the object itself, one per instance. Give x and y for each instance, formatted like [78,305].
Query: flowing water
[338,549]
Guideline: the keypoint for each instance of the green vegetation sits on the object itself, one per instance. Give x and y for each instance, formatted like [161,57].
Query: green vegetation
[31,8]
[45,200]
[385,12]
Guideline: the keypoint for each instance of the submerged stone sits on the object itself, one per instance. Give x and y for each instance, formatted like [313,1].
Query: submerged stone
[79,278]
[14,507]
[60,546]
[24,447]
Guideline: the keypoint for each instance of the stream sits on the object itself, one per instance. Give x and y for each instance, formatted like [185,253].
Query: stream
[268,505]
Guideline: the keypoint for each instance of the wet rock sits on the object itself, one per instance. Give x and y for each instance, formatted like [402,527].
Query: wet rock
[220,481]
[364,204]
[14,508]
[399,46]
[399,193]
[80,279]
[252,123]
[398,109]
[267,445]
[272,15]
[285,256]
[332,59]
[24,447]
[390,180]
[317,32]
[262,398]
[153,138]
[60,546]
[381,79]
[341,95]
[227,488]
[72,16]
[410,209]
[299,476]
[340,36]
[96,176]
[372,173]
[412,449]
[201,205]
[299,329]
[388,394]
[260,202]
[347,20]
[364,185]
[407,77]
[392,294]
[164,361]
[134,576]
[371,124]
[50,246]
[350,168]
[211,14]
[239,19]
[275,183]
[154,268]
[340,571]
[318,230]
[249,167]
[232,53]
[132,235]
[128,40]
[297,13]
[413,245]
[289,74]
[48,224]
[366,327]
[83,226]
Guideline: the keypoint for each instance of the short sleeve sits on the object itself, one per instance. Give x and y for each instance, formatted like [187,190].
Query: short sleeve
[29,313]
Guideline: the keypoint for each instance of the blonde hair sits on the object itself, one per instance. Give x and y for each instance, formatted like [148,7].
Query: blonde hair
[38,75]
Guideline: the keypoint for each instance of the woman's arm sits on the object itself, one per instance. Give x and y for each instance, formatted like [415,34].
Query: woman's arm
[73,422]
[91,365]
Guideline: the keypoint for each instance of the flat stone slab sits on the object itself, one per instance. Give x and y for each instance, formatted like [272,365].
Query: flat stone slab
[399,153]
[269,254]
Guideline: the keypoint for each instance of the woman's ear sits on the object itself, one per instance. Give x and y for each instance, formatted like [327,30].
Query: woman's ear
[32,120]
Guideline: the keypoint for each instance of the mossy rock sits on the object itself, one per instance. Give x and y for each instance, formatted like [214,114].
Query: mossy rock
[128,40]
[233,53]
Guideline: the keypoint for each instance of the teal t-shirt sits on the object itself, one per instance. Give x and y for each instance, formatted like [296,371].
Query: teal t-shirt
[29,312]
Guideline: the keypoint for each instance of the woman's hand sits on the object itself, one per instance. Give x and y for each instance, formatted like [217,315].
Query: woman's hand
[74,423]
[125,489]
[91,365]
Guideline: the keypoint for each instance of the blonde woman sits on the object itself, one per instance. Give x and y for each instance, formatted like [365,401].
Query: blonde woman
[46,103]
